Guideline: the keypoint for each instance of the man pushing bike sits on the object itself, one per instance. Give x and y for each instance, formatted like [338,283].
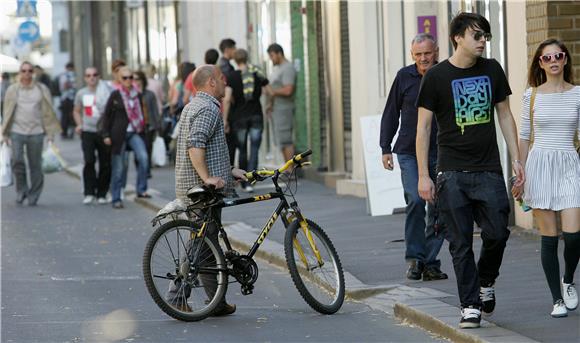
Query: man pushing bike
[203,158]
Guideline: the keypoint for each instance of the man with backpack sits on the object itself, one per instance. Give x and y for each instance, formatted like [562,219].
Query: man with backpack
[246,117]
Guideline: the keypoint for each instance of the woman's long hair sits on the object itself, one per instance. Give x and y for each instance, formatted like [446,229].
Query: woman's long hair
[537,75]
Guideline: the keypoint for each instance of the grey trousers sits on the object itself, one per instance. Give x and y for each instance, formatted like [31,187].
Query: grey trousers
[32,144]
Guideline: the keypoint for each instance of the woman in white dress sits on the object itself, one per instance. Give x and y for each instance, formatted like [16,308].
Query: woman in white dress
[553,166]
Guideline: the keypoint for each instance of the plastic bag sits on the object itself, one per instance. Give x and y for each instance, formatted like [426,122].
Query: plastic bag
[5,165]
[159,153]
[51,160]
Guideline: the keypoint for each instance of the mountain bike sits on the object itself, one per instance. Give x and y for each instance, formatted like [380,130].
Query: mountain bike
[187,268]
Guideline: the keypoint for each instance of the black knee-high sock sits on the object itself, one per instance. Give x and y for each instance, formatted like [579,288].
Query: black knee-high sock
[571,255]
[551,266]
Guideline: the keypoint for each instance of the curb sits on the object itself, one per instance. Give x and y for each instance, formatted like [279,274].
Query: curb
[428,313]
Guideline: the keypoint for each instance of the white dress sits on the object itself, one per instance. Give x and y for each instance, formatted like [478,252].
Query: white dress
[553,165]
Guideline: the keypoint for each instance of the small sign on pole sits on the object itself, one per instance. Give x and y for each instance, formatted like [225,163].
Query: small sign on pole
[26,8]
[427,24]
[28,31]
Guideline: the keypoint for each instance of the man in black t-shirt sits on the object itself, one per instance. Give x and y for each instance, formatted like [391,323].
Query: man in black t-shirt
[246,116]
[462,92]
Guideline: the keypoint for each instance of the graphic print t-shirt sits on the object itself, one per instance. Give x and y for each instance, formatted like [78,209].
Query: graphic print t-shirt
[463,101]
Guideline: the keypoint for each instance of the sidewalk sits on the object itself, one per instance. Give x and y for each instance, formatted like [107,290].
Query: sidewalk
[371,251]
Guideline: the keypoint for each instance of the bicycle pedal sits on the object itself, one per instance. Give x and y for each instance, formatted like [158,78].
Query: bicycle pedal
[247,290]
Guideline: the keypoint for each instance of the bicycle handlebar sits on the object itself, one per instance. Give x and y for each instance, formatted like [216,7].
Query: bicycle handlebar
[259,175]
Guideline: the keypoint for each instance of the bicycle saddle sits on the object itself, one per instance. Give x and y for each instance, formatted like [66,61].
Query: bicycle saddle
[203,196]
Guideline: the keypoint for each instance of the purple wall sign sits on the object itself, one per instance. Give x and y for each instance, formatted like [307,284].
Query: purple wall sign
[427,24]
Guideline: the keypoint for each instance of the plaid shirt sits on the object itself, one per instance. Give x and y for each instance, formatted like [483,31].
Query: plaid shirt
[202,126]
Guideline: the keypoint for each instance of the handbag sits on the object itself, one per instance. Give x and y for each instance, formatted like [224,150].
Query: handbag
[5,165]
[159,153]
[52,161]
[532,99]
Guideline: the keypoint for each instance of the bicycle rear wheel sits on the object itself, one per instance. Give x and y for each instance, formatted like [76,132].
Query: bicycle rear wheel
[185,275]
[320,282]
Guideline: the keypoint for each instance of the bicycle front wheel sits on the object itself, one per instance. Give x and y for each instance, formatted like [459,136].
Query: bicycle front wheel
[315,267]
[185,275]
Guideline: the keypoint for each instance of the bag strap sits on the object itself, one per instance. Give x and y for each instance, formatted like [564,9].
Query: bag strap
[532,100]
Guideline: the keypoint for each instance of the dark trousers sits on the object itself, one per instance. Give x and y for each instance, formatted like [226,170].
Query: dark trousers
[422,243]
[66,119]
[231,142]
[248,129]
[91,143]
[465,197]
[32,144]
[178,293]
[149,139]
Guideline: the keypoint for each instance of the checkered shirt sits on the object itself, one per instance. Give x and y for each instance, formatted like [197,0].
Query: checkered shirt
[202,126]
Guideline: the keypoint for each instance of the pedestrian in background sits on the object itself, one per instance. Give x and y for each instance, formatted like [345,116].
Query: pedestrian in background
[154,86]
[87,116]
[228,48]
[3,87]
[124,126]
[41,76]
[246,117]
[28,118]
[67,82]
[202,158]
[422,243]
[210,57]
[281,105]
[462,92]
[151,113]
[552,165]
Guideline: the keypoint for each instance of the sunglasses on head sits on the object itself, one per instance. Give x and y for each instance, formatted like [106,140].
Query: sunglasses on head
[558,56]
[26,71]
[91,75]
[478,34]
[130,77]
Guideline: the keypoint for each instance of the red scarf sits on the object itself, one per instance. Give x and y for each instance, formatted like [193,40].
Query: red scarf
[133,108]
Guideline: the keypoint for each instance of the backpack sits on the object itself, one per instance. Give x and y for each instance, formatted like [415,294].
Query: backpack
[55,86]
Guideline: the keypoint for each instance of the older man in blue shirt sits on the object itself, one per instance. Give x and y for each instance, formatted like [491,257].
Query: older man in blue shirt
[422,242]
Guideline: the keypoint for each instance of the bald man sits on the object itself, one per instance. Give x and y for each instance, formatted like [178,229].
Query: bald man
[202,158]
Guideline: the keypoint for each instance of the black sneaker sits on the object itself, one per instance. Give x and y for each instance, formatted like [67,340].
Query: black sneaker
[415,270]
[487,296]
[433,273]
[470,318]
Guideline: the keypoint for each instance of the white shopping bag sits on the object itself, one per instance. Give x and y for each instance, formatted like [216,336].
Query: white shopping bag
[5,165]
[51,160]
[159,153]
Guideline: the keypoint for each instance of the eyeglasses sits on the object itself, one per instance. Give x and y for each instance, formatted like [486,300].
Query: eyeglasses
[558,56]
[130,77]
[30,71]
[478,34]
[91,75]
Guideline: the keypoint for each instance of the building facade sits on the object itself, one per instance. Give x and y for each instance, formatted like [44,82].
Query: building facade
[347,54]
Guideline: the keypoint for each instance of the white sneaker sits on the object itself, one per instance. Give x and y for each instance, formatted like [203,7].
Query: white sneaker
[559,310]
[249,189]
[570,295]
[102,201]
[88,199]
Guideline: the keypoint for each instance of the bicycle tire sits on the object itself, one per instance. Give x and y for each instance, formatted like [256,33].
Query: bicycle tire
[328,281]
[159,266]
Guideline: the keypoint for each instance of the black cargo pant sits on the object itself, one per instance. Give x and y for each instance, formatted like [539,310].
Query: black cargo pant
[465,197]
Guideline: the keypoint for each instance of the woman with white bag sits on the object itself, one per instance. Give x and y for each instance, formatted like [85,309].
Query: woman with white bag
[27,119]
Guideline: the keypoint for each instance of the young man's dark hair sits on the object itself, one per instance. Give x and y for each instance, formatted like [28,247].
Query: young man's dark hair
[227,43]
[463,21]
[211,56]
[70,65]
[275,48]
[186,69]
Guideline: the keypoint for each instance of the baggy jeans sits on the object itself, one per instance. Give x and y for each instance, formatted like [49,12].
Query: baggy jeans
[465,197]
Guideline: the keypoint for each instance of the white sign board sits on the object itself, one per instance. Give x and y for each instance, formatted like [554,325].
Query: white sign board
[384,187]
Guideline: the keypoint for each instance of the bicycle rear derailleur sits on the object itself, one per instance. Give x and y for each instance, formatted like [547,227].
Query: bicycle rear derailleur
[244,269]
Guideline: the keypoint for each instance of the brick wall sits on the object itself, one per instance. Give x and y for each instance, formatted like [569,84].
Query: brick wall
[554,19]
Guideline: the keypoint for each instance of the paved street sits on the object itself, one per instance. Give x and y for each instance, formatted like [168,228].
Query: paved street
[72,273]
[92,255]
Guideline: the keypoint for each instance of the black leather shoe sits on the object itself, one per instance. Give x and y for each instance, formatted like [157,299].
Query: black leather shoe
[224,310]
[415,270]
[433,273]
